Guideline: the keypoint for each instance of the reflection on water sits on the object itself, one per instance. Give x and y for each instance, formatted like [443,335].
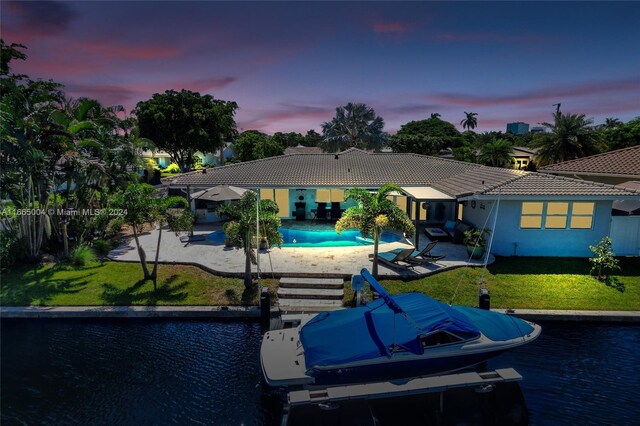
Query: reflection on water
[200,372]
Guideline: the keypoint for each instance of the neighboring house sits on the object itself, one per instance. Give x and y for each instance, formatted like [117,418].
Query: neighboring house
[537,214]
[613,167]
[301,149]
[522,156]
[163,159]
[621,168]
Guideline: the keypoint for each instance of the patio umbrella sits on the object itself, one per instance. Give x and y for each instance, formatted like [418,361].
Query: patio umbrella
[220,193]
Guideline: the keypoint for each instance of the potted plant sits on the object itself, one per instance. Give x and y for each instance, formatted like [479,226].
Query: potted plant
[475,241]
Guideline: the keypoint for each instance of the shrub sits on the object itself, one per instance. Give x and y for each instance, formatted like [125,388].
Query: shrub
[172,168]
[603,262]
[12,248]
[82,256]
[114,226]
[102,247]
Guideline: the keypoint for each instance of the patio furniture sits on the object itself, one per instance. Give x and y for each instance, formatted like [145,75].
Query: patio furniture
[453,228]
[394,259]
[436,234]
[336,212]
[321,212]
[422,256]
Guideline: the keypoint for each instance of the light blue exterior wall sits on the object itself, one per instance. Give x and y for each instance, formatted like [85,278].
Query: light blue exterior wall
[510,240]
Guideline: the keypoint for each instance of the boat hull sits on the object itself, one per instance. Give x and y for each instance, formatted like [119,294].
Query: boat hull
[404,369]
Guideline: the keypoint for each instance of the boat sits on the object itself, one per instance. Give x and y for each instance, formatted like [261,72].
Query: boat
[394,337]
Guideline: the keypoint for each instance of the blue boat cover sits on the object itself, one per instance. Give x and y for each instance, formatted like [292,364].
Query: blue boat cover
[370,331]
[494,325]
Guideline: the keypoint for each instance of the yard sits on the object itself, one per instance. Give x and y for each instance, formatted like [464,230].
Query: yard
[523,283]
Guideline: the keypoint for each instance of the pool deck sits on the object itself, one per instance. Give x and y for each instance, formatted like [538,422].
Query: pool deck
[340,262]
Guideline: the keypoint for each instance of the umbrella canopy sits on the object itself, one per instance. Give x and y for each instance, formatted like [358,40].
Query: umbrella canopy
[220,193]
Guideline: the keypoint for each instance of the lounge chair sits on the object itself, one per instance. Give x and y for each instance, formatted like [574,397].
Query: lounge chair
[422,256]
[394,259]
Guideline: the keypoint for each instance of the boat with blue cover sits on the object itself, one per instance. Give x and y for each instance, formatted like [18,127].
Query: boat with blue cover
[393,337]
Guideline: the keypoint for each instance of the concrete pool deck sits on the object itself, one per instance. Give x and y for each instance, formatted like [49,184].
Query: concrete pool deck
[342,262]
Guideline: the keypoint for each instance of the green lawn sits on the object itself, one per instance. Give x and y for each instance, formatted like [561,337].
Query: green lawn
[524,283]
[534,283]
[115,283]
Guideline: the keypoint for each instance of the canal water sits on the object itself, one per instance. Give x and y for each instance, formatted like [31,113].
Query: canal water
[109,372]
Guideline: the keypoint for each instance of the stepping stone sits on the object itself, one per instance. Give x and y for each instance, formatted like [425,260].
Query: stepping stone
[300,282]
[310,293]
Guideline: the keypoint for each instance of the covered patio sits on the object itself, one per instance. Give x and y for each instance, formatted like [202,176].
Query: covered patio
[340,262]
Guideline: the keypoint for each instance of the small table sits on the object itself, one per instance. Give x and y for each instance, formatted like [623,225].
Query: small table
[436,234]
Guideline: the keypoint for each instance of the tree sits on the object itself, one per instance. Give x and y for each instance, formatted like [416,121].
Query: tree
[141,205]
[425,136]
[435,115]
[354,126]
[623,135]
[312,138]
[288,139]
[255,145]
[571,137]
[470,121]
[610,122]
[373,214]
[496,153]
[241,227]
[603,261]
[182,123]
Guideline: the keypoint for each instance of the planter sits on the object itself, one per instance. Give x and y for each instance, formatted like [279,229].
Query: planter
[227,243]
[475,252]
[264,245]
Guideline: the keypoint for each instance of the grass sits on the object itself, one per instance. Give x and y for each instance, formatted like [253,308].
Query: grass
[116,283]
[519,283]
[534,283]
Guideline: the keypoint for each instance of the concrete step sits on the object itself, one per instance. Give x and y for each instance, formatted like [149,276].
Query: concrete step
[303,282]
[306,305]
[310,293]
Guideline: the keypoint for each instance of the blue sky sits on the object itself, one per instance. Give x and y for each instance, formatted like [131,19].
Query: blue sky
[290,64]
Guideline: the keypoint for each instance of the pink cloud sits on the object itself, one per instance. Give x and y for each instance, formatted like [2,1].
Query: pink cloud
[393,27]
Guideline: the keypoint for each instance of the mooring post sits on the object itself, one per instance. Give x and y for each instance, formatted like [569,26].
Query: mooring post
[484,299]
[265,309]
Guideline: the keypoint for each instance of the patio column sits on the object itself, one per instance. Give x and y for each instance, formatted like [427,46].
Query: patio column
[417,222]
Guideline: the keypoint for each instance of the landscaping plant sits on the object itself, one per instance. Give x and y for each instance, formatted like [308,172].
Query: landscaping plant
[81,256]
[603,262]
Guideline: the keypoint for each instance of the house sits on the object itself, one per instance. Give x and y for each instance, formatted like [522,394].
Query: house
[522,156]
[613,167]
[621,168]
[531,214]
[163,159]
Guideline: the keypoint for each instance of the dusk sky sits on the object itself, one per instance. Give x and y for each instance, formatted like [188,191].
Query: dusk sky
[289,65]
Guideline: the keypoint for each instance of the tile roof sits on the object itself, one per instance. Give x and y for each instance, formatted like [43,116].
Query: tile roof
[356,168]
[540,184]
[625,161]
[303,150]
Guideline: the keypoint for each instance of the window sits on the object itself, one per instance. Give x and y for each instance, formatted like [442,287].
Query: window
[582,215]
[281,198]
[557,215]
[531,215]
[329,195]
[439,338]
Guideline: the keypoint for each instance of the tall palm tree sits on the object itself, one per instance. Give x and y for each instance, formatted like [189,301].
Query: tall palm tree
[435,115]
[496,153]
[374,213]
[470,121]
[241,228]
[355,125]
[571,137]
[611,122]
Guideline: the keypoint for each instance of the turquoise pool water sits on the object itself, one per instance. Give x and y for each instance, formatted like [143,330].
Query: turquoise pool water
[327,237]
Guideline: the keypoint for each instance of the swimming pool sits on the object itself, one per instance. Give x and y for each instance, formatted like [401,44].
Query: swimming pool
[320,237]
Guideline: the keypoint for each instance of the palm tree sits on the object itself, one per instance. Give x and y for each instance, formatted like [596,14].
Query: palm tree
[470,121]
[496,153]
[141,204]
[355,125]
[610,122]
[241,228]
[571,137]
[374,213]
[435,115]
